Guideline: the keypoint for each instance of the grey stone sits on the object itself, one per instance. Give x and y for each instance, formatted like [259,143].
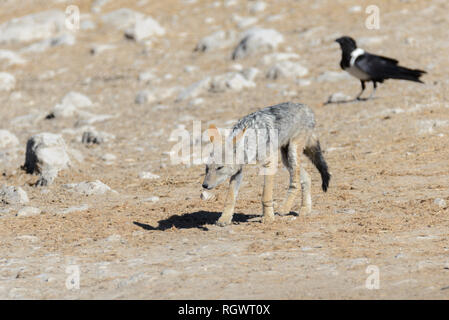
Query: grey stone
[257,40]
[13,195]
[46,154]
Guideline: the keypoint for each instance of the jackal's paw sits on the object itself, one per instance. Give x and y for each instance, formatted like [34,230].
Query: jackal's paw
[268,219]
[304,211]
[223,222]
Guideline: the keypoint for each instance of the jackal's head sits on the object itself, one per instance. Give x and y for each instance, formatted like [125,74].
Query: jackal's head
[218,171]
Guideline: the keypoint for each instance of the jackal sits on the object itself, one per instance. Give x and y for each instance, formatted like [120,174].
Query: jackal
[294,125]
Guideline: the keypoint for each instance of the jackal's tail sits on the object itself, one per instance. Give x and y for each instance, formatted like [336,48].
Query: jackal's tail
[313,152]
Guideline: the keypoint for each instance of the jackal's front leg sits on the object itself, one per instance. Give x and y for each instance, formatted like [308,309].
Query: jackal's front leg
[228,212]
[267,199]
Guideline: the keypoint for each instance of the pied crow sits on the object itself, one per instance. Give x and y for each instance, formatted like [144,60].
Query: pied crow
[369,67]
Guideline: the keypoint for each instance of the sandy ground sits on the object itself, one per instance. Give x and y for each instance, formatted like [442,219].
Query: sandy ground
[388,158]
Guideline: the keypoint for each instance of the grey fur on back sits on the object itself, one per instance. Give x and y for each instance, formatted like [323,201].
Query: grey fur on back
[288,119]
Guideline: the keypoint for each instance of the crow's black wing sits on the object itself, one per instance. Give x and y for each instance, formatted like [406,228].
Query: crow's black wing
[380,68]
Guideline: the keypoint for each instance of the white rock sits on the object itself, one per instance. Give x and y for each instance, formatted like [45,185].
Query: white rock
[287,69]
[258,6]
[108,157]
[7,81]
[279,56]
[250,74]
[146,76]
[100,48]
[231,81]
[195,89]
[148,175]
[28,212]
[7,139]
[151,199]
[122,19]
[217,40]
[46,154]
[333,76]
[87,25]
[32,27]
[88,188]
[244,22]
[67,39]
[71,104]
[80,208]
[440,202]
[338,97]
[13,195]
[257,40]
[145,96]
[11,58]
[144,28]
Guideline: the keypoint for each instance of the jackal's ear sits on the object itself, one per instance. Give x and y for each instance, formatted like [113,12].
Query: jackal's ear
[214,134]
[239,136]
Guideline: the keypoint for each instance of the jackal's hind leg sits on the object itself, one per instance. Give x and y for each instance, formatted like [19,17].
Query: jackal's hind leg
[290,159]
[267,199]
[228,212]
[306,198]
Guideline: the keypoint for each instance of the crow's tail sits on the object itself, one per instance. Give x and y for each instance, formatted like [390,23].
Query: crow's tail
[398,72]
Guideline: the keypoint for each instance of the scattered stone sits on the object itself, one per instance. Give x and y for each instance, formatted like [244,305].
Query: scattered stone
[29,212]
[11,58]
[70,105]
[206,196]
[91,136]
[257,40]
[231,81]
[287,69]
[13,195]
[87,25]
[258,6]
[151,199]
[46,154]
[440,202]
[114,238]
[148,175]
[217,40]
[146,76]
[108,157]
[7,81]
[99,48]
[333,76]
[355,9]
[32,27]
[67,39]
[195,89]
[145,96]
[27,237]
[80,208]
[250,74]
[7,139]
[144,28]
[338,97]
[88,188]
[169,272]
[271,58]
[244,22]
[122,19]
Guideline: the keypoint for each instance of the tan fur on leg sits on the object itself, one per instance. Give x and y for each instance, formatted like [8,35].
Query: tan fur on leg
[228,212]
[267,199]
[306,198]
[293,189]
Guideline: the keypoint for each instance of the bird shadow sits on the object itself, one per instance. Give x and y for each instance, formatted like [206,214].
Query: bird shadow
[198,219]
